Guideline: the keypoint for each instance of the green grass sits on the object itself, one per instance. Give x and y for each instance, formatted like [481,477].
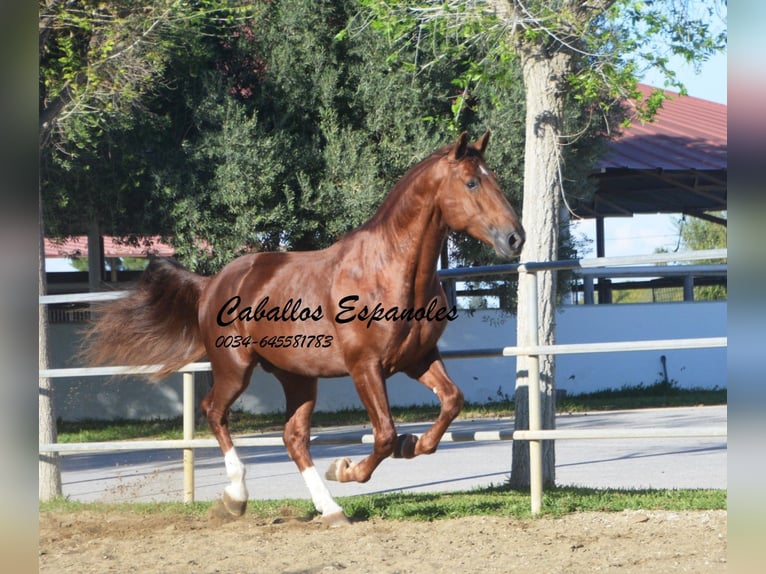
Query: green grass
[491,501]
[660,394]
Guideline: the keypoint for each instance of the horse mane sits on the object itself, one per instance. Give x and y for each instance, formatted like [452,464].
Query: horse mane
[398,201]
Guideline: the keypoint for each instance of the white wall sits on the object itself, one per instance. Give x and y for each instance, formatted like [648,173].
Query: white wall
[704,368]
[480,379]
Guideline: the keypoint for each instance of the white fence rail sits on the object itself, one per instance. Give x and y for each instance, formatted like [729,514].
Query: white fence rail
[532,349]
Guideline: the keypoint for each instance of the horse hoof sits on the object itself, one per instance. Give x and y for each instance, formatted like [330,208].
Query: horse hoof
[335,520]
[405,446]
[337,468]
[227,508]
[219,514]
[235,507]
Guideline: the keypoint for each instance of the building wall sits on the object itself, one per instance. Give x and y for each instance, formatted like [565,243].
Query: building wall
[480,379]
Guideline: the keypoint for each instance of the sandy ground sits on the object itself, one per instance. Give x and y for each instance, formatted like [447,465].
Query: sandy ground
[631,541]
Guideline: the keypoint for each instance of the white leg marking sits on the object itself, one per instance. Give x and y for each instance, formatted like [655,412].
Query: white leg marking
[322,498]
[235,470]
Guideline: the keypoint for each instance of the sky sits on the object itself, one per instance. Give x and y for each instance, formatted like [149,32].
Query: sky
[643,234]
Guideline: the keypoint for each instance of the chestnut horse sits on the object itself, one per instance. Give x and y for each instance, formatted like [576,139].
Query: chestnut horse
[368,306]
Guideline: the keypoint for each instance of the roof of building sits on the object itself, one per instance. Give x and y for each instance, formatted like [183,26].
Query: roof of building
[77,246]
[674,164]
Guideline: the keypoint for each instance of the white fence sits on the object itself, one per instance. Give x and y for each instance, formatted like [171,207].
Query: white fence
[489,378]
[531,348]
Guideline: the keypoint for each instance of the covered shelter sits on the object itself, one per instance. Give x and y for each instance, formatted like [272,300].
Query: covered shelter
[675,164]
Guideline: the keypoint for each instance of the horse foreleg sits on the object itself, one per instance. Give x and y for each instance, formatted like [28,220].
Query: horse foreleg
[435,377]
[300,396]
[371,387]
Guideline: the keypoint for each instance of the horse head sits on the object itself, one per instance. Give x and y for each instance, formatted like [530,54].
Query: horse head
[472,202]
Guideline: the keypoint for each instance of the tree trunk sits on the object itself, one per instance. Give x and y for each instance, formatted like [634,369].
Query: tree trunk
[95,256]
[49,473]
[543,78]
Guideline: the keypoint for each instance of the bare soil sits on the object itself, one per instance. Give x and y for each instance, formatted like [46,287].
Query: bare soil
[631,541]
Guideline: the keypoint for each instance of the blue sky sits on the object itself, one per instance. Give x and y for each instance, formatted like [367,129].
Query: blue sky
[643,234]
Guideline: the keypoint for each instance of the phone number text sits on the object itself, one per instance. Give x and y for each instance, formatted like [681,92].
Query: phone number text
[275,341]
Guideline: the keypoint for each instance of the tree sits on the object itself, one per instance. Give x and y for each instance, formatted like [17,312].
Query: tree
[97,60]
[289,140]
[698,234]
[589,51]
[49,472]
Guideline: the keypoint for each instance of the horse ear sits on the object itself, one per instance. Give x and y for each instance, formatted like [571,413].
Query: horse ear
[461,146]
[481,145]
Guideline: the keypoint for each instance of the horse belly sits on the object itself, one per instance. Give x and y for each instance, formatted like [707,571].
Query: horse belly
[302,352]
[298,340]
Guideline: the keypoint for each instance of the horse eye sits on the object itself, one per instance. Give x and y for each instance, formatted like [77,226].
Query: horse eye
[472,184]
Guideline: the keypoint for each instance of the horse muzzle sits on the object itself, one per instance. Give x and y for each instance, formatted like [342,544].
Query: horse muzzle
[508,244]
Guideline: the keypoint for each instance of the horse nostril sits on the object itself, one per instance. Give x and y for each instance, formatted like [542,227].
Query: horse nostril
[515,241]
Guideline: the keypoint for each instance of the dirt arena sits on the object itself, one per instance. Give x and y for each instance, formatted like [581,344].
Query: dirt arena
[631,541]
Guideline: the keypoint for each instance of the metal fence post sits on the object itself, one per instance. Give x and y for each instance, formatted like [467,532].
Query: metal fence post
[533,392]
[587,285]
[188,390]
[689,287]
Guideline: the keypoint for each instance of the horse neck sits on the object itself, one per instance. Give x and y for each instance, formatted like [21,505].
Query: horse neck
[410,227]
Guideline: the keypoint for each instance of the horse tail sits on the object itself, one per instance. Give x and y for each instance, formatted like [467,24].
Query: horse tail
[155,324]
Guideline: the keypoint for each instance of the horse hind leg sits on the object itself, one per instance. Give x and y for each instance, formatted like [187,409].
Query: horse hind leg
[228,385]
[300,396]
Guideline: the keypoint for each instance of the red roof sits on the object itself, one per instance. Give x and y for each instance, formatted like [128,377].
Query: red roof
[674,164]
[687,133]
[77,246]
